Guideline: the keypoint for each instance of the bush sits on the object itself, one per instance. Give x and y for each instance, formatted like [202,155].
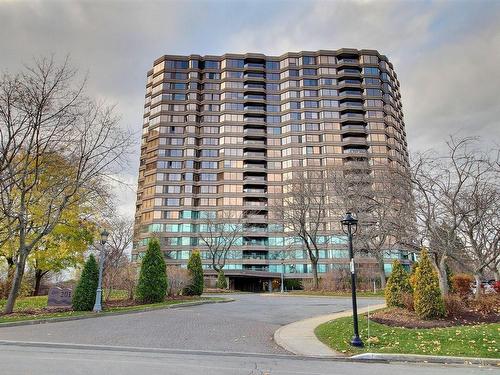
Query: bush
[221,280]
[196,272]
[293,284]
[397,285]
[84,296]
[488,304]
[461,284]
[427,296]
[152,285]
[454,305]
[178,279]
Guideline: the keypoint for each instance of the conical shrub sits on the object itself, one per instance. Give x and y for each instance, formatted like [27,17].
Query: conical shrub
[84,296]
[152,285]
[221,280]
[196,272]
[397,286]
[427,297]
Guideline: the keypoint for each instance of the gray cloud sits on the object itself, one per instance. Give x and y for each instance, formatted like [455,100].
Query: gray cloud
[446,54]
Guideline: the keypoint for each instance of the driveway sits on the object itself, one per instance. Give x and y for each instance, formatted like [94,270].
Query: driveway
[246,325]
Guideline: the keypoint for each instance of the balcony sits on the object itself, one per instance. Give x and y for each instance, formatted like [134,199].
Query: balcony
[260,65]
[260,179]
[254,85]
[255,167]
[355,140]
[253,143]
[350,93]
[254,154]
[255,132]
[255,190]
[254,120]
[254,108]
[348,127]
[352,115]
[254,75]
[347,61]
[351,105]
[356,151]
[259,204]
[254,97]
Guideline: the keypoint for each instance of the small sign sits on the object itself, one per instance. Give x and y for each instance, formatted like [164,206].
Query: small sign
[352,265]
[60,296]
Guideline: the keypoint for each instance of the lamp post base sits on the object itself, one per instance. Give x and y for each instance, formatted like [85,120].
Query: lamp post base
[356,341]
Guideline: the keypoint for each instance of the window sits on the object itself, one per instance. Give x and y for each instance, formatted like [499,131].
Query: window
[172,202]
[309,72]
[208,177]
[371,71]
[209,64]
[176,64]
[233,63]
[209,153]
[310,104]
[272,65]
[308,60]
[310,82]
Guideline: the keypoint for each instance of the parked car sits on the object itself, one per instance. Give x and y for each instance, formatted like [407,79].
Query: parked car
[486,286]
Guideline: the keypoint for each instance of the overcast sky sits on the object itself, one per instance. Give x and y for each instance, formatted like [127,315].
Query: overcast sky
[446,54]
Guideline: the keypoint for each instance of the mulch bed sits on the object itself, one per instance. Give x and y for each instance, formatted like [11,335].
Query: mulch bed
[397,317]
[108,304]
[128,302]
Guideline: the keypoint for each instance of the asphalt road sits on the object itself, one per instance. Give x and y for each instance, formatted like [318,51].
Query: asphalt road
[246,325]
[51,361]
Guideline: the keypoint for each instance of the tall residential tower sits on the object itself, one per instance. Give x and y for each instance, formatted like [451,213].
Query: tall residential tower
[222,134]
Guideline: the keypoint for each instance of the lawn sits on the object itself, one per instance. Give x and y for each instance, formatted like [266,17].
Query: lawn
[463,341]
[30,303]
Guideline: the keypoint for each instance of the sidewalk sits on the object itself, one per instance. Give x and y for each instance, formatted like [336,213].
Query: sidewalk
[299,338]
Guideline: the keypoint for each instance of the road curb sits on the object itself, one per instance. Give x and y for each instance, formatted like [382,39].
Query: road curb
[111,313]
[317,296]
[428,359]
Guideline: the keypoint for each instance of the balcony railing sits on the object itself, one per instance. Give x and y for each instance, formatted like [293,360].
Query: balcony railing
[355,151]
[254,154]
[358,140]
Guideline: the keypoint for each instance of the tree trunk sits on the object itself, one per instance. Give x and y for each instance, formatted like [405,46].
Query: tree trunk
[10,275]
[16,283]
[314,266]
[477,278]
[38,281]
[443,276]
[381,271]
[497,275]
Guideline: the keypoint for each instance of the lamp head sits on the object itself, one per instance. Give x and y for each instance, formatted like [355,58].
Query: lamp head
[104,236]
[349,221]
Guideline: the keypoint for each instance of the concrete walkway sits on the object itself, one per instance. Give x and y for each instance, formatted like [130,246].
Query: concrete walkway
[299,337]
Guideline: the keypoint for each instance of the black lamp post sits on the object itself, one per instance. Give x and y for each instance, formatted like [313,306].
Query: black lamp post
[98,297]
[350,226]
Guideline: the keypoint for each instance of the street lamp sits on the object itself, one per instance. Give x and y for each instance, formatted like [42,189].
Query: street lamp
[350,226]
[98,294]
[282,273]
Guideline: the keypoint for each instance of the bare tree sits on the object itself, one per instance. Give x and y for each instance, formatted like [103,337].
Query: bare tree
[480,228]
[304,212]
[450,195]
[381,200]
[58,146]
[219,233]
[116,251]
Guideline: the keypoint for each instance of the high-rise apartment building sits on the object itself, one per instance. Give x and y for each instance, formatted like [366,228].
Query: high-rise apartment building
[222,135]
